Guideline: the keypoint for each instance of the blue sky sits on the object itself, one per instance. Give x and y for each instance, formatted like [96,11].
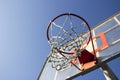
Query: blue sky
[23,42]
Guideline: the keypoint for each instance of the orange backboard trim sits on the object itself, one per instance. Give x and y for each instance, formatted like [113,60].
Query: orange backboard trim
[104,41]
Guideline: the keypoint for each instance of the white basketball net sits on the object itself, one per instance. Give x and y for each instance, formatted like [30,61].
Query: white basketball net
[66,35]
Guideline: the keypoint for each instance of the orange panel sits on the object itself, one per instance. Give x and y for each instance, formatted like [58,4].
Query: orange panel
[87,65]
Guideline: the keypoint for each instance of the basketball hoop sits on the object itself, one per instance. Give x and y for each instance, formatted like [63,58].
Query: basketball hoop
[64,33]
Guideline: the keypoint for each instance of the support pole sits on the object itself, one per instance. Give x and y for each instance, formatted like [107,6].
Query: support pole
[108,73]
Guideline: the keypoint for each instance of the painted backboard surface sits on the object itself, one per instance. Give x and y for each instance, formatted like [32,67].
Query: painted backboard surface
[106,38]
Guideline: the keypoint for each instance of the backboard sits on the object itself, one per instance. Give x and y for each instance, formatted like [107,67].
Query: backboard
[106,39]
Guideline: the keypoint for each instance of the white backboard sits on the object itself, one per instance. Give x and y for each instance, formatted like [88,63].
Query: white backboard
[106,38]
